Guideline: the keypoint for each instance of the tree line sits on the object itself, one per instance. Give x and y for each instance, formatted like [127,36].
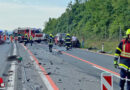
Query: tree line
[93,19]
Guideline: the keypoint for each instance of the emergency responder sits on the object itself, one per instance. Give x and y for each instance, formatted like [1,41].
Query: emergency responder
[68,41]
[31,40]
[16,39]
[5,37]
[25,39]
[50,42]
[11,38]
[123,51]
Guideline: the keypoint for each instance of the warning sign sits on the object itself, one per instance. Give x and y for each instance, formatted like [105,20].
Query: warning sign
[106,81]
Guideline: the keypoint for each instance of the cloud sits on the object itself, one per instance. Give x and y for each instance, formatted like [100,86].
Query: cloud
[14,15]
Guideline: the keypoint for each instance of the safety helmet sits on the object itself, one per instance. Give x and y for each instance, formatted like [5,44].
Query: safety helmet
[128,32]
[67,34]
[51,35]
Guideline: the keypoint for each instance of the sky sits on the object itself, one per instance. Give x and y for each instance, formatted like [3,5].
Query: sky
[29,13]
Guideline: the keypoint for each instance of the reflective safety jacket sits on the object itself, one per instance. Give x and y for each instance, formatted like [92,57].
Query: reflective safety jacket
[123,50]
[25,37]
[67,39]
[31,37]
[50,41]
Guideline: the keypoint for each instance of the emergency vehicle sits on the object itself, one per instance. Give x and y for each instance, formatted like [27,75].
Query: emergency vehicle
[34,32]
[1,37]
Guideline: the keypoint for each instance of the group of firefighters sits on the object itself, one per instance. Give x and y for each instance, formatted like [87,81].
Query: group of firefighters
[15,38]
[28,39]
[6,37]
[67,42]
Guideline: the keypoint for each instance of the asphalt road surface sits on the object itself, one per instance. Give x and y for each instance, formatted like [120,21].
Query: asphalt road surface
[77,69]
[4,52]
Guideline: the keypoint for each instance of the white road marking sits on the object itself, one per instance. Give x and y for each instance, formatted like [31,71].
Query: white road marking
[43,77]
[112,74]
[31,58]
[106,71]
[11,83]
[14,52]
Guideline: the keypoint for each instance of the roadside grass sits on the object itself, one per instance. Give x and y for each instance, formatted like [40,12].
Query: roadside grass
[109,46]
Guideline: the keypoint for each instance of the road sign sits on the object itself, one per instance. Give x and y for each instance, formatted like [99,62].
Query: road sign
[106,81]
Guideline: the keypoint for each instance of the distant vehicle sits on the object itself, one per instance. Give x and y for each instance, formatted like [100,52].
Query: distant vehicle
[45,37]
[1,35]
[34,32]
[60,39]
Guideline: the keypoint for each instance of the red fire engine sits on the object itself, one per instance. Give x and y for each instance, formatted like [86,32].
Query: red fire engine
[34,32]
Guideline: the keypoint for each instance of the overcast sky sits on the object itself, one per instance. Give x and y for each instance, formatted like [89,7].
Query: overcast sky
[29,13]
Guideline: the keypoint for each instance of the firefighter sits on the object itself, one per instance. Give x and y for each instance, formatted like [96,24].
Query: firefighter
[123,52]
[25,39]
[31,40]
[11,38]
[68,41]
[5,37]
[50,42]
[16,39]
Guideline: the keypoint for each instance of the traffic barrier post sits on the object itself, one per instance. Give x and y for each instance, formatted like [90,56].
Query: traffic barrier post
[106,81]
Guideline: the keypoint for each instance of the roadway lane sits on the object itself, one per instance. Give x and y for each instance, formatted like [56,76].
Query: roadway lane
[102,60]
[4,51]
[88,75]
[99,59]
[30,77]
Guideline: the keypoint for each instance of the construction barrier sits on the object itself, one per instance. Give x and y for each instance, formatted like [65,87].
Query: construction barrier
[106,81]
[2,84]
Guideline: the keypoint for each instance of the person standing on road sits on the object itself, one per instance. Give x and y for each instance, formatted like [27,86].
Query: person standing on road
[16,39]
[31,39]
[4,37]
[68,41]
[123,52]
[25,39]
[50,42]
[83,42]
[11,38]
[74,40]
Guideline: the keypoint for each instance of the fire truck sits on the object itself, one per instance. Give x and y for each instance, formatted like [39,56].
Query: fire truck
[34,32]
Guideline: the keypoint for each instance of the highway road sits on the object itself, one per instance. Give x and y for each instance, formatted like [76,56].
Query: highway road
[4,52]
[77,69]
[24,76]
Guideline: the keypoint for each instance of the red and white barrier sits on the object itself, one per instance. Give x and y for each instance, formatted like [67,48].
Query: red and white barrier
[2,84]
[106,81]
